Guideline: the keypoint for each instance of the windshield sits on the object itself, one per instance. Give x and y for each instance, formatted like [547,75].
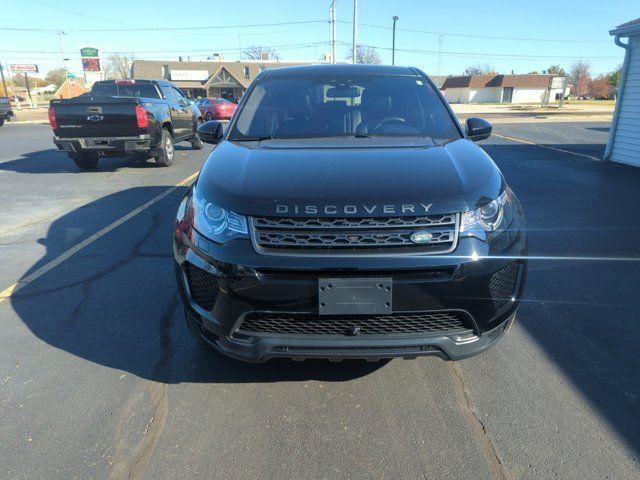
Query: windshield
[137,90]
[344,105]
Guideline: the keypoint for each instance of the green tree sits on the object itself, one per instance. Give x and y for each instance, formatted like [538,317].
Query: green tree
[57,76]
[556,70]
[614,77]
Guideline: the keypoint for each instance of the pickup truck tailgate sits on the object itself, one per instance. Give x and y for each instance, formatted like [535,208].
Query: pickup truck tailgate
[96,117]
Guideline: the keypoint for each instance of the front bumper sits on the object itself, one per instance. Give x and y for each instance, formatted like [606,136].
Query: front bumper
[247,283]
[104,146]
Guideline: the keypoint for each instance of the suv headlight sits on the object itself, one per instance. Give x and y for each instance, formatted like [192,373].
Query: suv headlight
[487,221]
[216,223]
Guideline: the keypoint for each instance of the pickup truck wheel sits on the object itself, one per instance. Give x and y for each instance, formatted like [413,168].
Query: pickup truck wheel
[85,162]
[167,151]
[196,143]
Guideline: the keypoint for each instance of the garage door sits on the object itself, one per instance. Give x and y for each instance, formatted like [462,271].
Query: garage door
[626,144]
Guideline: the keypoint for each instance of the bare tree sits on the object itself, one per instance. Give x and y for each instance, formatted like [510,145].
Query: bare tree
[600,87]
[118,66]
[257,52]
[365,55]
[479,69]
[580,76]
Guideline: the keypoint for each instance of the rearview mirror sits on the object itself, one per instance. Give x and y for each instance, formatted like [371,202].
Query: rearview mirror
[478,129]
[343,92]
[211,131]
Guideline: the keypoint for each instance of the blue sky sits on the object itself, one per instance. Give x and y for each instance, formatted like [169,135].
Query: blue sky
[528,34]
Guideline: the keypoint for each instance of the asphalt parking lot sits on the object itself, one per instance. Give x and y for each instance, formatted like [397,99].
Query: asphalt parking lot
[99,377]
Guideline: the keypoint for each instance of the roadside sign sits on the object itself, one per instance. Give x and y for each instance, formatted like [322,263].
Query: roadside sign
[89,52]
[557,82]
[24,68]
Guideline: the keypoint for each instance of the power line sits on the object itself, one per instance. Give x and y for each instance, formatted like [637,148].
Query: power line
[468,35]
[54,7]
[162,29]
[485,54]
[208,50]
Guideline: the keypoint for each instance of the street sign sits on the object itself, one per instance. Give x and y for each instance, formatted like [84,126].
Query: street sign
[24,68]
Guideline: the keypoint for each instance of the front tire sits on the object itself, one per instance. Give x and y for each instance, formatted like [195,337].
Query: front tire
[196,143]
[167,150]
[85,162]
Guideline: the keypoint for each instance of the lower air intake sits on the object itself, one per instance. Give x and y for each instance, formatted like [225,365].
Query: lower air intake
[414,323]
[203,286]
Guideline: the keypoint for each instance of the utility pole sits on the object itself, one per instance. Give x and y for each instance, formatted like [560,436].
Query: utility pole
[26,81]
[4,84]
[64,63]
[332,16]
[393,44]
[355,32]
[564,88]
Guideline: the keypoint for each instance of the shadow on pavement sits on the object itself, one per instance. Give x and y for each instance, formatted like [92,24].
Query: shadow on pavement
[115,303]
[56,161]
[583,313]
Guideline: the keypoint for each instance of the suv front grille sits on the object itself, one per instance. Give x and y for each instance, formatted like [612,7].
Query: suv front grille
[411,323]
[350,235]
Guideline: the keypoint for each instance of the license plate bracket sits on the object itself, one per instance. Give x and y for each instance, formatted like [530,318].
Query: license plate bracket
[355,296]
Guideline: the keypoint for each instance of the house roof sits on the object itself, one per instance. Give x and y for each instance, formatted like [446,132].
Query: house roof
[627,29]
[484,81]
[438,79]
[153,69]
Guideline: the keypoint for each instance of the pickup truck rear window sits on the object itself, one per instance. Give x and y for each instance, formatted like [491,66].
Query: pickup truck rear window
[133,90]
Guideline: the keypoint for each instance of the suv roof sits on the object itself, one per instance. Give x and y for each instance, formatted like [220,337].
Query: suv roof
[342,69]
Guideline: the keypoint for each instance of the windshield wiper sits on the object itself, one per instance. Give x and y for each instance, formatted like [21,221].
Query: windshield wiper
[366,135]
[255,139]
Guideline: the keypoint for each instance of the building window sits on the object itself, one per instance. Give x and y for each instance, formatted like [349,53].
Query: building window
[246,71]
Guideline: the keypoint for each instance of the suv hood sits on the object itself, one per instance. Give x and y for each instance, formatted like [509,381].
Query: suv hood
[294,178]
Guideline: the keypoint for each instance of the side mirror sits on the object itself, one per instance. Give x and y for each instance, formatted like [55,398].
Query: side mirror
[211,132]
[478,129]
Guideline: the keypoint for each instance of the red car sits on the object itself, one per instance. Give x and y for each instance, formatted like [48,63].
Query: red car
[216,108]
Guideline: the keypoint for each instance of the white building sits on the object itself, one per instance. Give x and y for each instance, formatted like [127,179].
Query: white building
[624,136]
[500,89]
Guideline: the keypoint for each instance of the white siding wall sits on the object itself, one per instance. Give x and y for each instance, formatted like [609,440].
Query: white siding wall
[528,95]
[485,95]
[626,141]
[457,95]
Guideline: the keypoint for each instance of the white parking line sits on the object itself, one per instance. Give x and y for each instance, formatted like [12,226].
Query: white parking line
[7,292]
[590,157]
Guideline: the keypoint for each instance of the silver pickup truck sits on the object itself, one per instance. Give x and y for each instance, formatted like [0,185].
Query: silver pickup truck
[5,110]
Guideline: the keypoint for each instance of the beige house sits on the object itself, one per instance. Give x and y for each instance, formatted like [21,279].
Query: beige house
[501,88]
[72,87]
[207,78]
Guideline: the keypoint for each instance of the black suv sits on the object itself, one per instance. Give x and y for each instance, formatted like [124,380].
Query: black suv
[345,213]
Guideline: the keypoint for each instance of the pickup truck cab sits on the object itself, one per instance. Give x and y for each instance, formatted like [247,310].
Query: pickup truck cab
[123,117]
[5,110]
